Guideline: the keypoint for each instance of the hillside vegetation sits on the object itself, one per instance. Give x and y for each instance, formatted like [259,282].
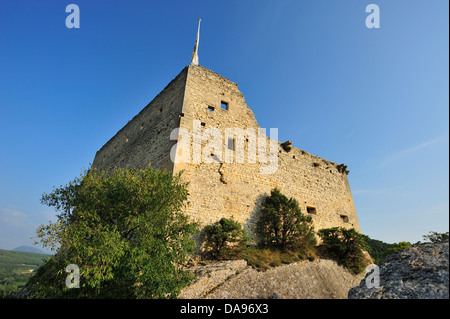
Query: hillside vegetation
[16,267]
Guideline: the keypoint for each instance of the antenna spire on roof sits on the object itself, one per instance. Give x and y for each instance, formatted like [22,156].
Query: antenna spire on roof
[194,60]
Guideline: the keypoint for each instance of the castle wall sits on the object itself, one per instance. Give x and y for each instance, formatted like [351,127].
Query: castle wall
[193,102]
[237,189]
[145,139]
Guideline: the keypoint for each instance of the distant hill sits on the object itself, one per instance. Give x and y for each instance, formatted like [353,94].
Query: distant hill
[29,249]
[16,267]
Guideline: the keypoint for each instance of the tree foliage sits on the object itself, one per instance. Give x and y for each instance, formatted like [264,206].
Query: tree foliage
[124,230]
[435,237]
[282,225]
[347,247]
[224,237]
[376,248]
[395,247]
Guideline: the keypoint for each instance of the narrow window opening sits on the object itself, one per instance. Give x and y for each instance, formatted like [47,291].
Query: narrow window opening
[311,210]
[203,124]
[344,218]
[126,139]
[231,143]
[181,114]
[224,105]
[210,108]
[142,125]
[114,148]
[160,109]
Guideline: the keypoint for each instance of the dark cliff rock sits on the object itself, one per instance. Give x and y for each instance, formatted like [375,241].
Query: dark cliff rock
[418,272]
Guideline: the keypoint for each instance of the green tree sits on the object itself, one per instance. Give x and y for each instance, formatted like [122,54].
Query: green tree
[224,238]
[435,237]
[376,248]
[346,246]
[395,247]
[282,225]
[124,230]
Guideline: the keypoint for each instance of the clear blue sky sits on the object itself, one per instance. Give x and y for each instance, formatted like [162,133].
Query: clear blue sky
[374,99]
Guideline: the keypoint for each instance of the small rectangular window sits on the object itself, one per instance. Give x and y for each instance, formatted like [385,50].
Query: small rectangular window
[344,218]
[210,108]
[231,143]
[311,210]
[224,105]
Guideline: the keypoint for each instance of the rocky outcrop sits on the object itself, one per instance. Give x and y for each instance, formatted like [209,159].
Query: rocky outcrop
[418,272]
[210,276]
[319,279]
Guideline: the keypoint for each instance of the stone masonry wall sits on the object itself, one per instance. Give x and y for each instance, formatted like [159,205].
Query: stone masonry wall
[145,139]
[192,102]
[237,189]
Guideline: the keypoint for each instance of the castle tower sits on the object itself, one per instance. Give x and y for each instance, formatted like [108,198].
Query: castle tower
[175,132]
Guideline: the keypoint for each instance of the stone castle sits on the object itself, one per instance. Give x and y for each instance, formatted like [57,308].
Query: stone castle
[230,176]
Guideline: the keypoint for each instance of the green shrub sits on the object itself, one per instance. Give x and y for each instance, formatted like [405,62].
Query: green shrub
[376,248]
[283,226]
[224,238]
[394,248]
[435,237]
[346,246]
[124,230]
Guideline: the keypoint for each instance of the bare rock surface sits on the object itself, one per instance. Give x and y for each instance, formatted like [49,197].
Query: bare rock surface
[210,276]
[319,279]
[418,272]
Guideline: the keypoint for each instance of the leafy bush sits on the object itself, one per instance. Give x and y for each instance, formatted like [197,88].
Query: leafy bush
[435,237]
[124,230]
[224,238]
[282,225]
[376,248]
[394,248]
[346,246]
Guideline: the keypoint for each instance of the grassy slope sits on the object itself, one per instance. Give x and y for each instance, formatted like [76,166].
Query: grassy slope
[16,267]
